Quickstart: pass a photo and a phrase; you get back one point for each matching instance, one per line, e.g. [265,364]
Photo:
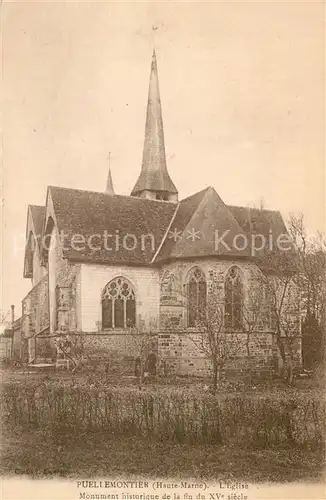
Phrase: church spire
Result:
[109,184]
[154,180]
[109,189]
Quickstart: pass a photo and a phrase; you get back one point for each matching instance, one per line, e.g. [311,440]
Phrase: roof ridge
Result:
[196,210]
[127,195]
[210,214]
[112,196]
[76,189]
[195,194]
[254,208]
[166,233]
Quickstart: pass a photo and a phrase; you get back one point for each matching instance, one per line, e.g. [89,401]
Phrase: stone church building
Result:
[106,267]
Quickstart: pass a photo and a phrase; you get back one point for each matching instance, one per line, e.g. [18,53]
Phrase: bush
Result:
[175,416]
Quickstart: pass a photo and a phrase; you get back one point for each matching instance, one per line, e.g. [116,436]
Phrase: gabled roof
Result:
[139,231]
[38,216]
[91,213]
[254,221]
[185,210]
[34,231]
[199,223]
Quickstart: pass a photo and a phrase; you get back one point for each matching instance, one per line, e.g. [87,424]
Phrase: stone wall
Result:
[35,309]
[177,343]
[39,271]
[35,317]
[183,355]
[17,341]
[46,351]
[78,310]
[118,352]
[173,313]
[75,299]
[64,290]
[5,348]
[93,279]
[111,352]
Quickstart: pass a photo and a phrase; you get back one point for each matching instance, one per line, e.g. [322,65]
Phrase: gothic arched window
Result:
[233,298]
[118,304]
[197,294]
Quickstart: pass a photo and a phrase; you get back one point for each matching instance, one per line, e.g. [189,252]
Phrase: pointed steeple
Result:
[109,189]
[154,180]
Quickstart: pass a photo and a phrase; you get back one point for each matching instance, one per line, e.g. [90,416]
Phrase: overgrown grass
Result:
[74,428]
[39,454]
[314,385]
[179,417]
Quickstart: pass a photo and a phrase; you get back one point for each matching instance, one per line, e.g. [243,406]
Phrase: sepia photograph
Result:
[163,250]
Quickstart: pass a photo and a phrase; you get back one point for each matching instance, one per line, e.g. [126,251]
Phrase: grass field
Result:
[40,453]
[193,384]
[96,456]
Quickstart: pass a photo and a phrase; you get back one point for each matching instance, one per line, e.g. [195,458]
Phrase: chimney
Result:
[12,315]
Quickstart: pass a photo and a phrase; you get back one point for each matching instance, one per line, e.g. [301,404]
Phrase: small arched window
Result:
[233,298]
[118,304]
[197,297]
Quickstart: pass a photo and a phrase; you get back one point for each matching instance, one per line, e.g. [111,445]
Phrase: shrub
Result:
[177,416]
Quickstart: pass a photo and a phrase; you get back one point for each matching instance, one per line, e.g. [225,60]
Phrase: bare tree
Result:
[143,339]
[211,337]
[253,312]
[73,349]
[312,265]
[279,278]
[311,281]
[253,317]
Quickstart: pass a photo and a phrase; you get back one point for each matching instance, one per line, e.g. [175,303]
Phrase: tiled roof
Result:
[38,215]
[183,215]
[91,213]
[201,219]
[210,221]
[154,180]
[170,225]
[35,220]
[254,221]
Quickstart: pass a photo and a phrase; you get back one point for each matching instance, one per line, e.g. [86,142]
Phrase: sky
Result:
[242,90]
